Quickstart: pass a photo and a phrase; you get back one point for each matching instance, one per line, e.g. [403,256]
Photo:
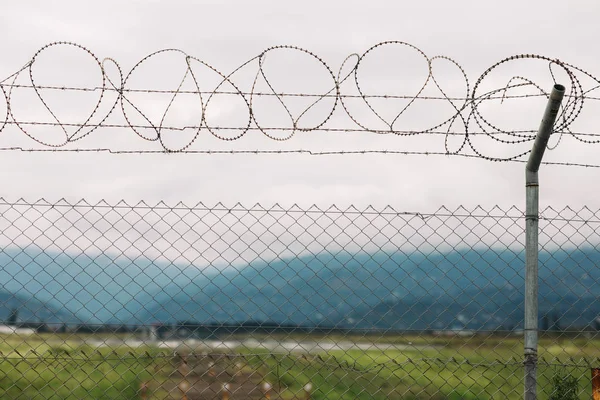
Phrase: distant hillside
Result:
[29,309]
[97,288]
[470,288]
[475,289]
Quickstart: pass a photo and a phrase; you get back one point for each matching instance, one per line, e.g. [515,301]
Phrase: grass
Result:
[356,377]
[34,368]
[64,367]
[493,371]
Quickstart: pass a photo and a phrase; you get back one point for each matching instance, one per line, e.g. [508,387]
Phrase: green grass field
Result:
[43,367]
[61,367]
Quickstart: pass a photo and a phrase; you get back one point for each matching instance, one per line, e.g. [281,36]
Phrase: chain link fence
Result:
[121,301]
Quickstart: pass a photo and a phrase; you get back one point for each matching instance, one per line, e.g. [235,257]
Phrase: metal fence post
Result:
[531,239]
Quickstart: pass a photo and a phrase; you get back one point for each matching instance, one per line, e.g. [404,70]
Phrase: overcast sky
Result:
[226,34]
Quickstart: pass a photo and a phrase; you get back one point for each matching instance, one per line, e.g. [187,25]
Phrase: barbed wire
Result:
[528,134]
[345,90]
[288,152]
[267,94]
[522,133]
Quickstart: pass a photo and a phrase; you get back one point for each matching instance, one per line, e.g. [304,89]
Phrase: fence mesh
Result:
[120,301]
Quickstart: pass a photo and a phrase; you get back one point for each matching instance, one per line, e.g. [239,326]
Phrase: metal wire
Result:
[345,91]
[283,152]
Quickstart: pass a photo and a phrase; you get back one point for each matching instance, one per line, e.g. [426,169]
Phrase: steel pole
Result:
[531,239]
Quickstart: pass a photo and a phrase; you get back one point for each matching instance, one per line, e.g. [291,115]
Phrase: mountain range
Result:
[471,288]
